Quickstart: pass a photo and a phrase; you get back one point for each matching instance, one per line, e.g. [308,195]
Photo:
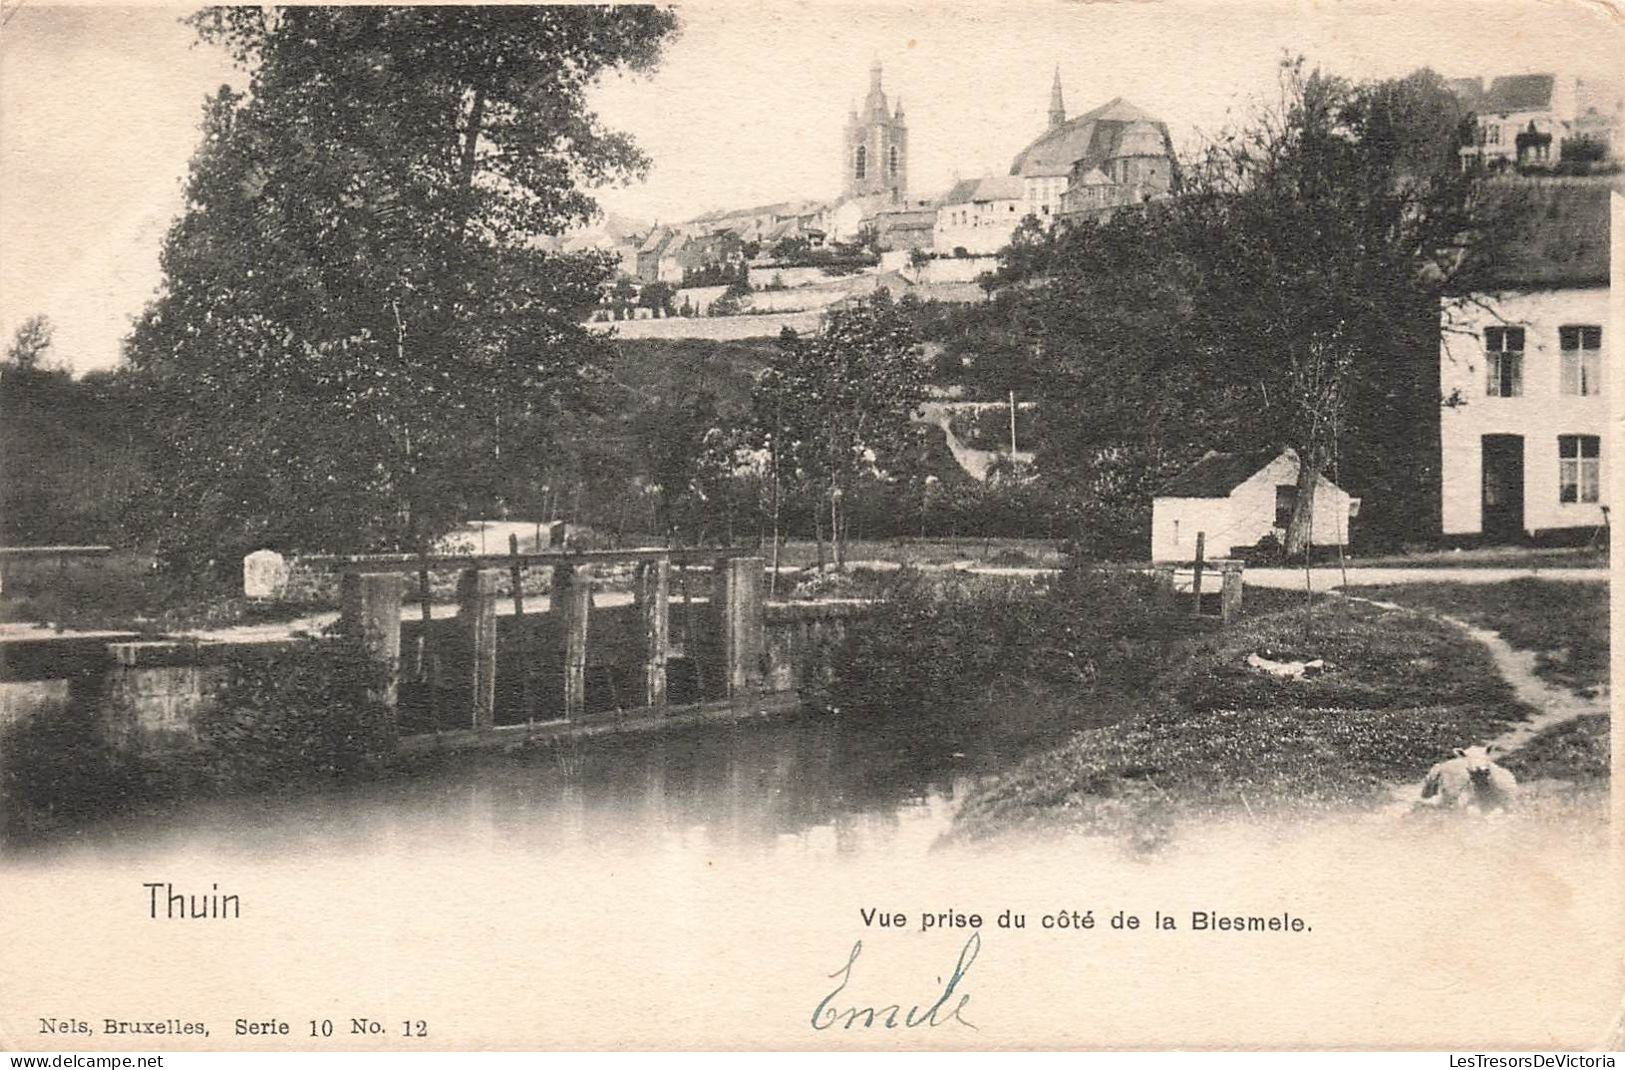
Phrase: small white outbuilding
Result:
[1237,499]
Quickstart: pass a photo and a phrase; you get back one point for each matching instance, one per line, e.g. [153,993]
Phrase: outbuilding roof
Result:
[1217,474]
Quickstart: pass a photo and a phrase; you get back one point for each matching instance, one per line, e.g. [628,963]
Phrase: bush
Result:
[846,583]
[302,714]
[940,641]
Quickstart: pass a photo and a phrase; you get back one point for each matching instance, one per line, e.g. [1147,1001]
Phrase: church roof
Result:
[1116,128]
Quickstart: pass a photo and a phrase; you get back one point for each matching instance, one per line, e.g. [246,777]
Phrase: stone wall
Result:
[800,638]
[152,695]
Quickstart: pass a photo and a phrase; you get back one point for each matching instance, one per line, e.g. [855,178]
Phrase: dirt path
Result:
[1552,705]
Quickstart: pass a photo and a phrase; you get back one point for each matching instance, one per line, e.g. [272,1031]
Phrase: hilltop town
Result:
[788,260]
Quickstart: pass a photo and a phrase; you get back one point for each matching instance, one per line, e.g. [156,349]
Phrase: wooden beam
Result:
[370,609]
[741,613]
[653,595]
[477,620]
[572,603]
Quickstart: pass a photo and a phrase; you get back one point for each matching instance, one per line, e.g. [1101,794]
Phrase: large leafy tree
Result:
[838,403]
[1290,296]
[358,331]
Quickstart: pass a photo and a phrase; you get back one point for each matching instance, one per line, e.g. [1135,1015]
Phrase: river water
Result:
[809,784]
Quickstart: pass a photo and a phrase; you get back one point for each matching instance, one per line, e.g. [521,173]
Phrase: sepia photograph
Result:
[810,526]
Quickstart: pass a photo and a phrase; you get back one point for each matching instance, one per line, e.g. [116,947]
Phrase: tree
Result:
[30,343]
[1289,297]
[1345,215]
[356,331]
[791,248]
[843,399]
[658,296]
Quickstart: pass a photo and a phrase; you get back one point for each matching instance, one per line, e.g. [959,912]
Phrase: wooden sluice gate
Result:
[577,660]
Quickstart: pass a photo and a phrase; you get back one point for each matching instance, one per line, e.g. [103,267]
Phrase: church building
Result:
[1114,155]
[876,147]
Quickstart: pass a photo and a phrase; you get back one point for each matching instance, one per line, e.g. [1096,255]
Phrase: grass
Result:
[1564,623]
[1210,734]
[1491,557]
[1575,750]
[122,592]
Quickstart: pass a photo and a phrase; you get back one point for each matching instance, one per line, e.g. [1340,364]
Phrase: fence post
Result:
[572,601]
[1196,576]
[370,608]
[477,620]
[1232,590]
[654,610]
[521,630]
[741,612]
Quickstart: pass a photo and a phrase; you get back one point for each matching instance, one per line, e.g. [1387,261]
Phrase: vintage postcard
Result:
[810,526]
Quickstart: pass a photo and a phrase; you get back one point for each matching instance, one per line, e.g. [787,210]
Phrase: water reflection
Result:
[808,786]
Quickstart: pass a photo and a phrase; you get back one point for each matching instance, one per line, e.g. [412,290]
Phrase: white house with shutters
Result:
[1527,432]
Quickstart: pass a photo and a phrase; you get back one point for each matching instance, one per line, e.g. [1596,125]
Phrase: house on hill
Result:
[979,214]
[1236,499]
[1518,119]
[1525,436]
[650,252]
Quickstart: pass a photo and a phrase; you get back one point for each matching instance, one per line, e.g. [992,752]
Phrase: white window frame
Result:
[1579,476]
[1581,363]
[1498,350]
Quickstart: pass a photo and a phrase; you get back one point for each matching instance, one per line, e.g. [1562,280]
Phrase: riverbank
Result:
[1216,736]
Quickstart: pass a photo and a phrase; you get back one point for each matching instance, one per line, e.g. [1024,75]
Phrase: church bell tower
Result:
[876,158]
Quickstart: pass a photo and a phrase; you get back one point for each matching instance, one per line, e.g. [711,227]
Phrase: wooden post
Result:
[572,601]
[1232,590]
[370,607]
[521,630]
[741,613]
[1196,577]
[428,655]
[477,620]
[654,611]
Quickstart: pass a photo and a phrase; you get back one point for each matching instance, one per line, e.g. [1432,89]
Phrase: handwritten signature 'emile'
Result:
[829,1013]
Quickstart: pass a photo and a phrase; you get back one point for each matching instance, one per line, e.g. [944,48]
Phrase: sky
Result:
[99,106]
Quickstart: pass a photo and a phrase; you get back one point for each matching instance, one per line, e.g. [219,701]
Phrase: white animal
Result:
[1471,779]
[1292,670]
